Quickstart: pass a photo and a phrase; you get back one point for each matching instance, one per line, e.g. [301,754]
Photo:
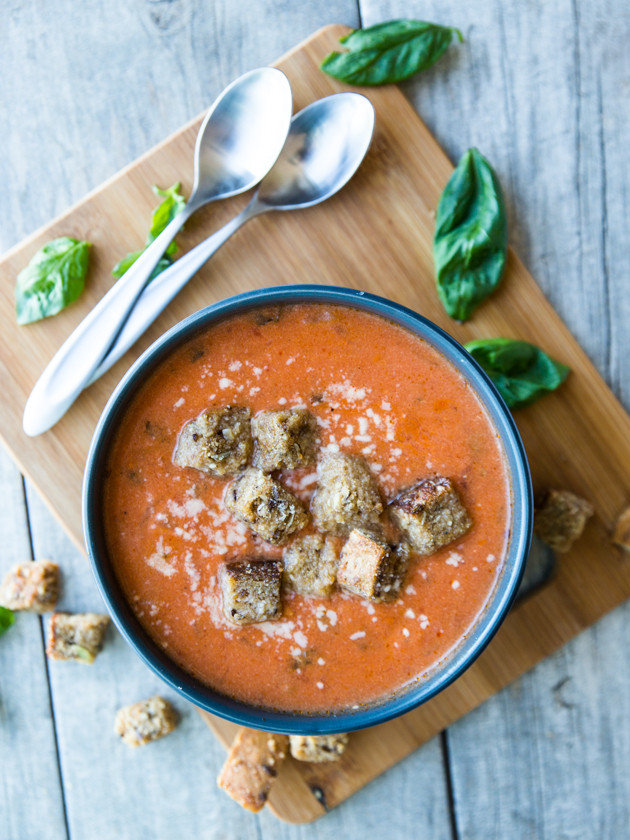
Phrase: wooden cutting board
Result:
[376,235]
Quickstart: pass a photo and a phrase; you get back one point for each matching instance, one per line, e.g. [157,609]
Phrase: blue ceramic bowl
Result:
[402,700]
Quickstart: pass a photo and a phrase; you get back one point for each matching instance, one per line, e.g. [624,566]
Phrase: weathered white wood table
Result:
[542,89]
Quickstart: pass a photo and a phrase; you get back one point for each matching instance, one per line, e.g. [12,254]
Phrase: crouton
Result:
[31,586]
[285,439]
[621,534]
[371,568]
[347,495]
[560,519]
[251,590]
[217,442]
[76,636]
[310,565]
[265,506]
[430,514]
[318,748]
[145,721]
[252,766]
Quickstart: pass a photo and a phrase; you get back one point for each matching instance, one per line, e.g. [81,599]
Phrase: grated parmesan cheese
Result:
[158,560]
[347,391]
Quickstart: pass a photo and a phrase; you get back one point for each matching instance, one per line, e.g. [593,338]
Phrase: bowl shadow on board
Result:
[539,569]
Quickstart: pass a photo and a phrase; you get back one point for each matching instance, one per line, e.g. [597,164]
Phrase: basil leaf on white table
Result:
[6,619]
[389,52]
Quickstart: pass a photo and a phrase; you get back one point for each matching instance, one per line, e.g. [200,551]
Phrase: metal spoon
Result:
[327,141]
[238,142]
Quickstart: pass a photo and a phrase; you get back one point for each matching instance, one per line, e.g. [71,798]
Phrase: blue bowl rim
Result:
[456,661]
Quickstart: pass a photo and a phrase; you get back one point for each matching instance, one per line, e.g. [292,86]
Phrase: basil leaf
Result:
[470,242]
[174,202]
[521,372]
[119,269]
[53,279]
[389,52]
[6,619]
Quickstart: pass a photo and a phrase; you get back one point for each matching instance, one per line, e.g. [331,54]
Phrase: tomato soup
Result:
[376,390]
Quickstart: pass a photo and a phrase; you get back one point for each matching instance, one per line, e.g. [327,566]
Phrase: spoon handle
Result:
[163,288]
[79,356]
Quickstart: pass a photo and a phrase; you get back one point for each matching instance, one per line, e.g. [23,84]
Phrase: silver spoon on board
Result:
[327,141]
[237,144]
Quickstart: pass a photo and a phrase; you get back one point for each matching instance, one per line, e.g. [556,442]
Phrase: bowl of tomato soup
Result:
[307,509]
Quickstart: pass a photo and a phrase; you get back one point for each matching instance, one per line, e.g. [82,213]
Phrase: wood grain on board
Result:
[376,235]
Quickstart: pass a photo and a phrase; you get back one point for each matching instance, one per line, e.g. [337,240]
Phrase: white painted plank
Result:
[608,73]
[28,759]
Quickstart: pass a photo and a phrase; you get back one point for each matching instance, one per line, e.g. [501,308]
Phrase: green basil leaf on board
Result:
[470,242]
[6,619]
[52,280]
[389,52]
[119,269]
[172,205]
[521,372]
[174,202]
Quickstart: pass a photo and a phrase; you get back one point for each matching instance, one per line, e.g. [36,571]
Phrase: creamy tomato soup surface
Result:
[377,391]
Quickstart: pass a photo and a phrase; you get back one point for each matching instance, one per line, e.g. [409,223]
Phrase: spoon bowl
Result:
[229,162]
[327,141]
